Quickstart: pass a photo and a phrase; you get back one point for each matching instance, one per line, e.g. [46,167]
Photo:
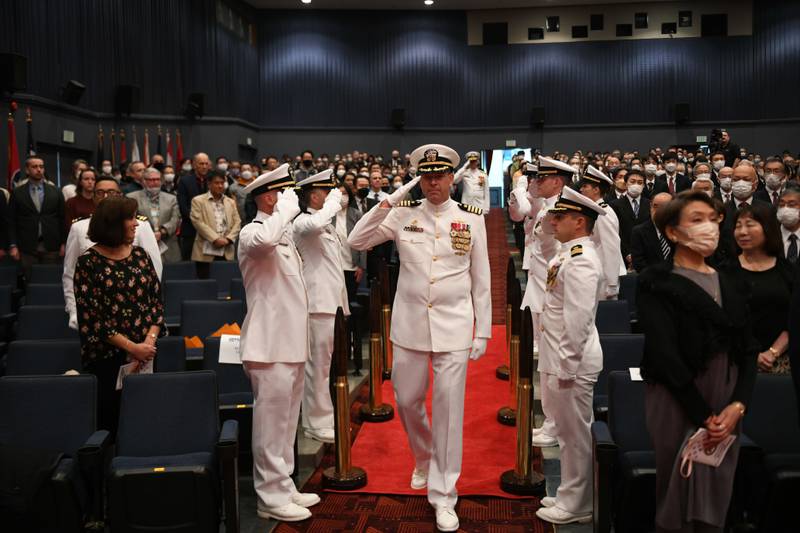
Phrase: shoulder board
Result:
[576,250]
[409,203]
[471,209]
[141,218]
[603,204]
[256,222]
[74,220]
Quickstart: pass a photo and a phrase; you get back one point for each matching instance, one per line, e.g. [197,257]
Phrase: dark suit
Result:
[187,189]
[4,222]
[682,183]
[651,189]
[627,220]
[766,196]
[378,253]
[25,220]
[794,342]
[645,246]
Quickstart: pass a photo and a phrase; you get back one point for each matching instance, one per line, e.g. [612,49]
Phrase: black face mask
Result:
[387,188]
[158,166]
[362,192]
[308,162]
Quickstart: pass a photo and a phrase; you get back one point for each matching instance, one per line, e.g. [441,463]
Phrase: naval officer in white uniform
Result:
[274,342]
[475,183]
[533,199]
[443,295]
[570,357]
[78,242]
[320,248]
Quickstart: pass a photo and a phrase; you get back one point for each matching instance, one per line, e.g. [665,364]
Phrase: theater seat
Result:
[624,461]
[170,355]
[233,384]
[627,292]
[44,322]
[203,317]
[223,272]
[620,352]
[55,414]
[175,470]
[613,316]
[7,317]
[179,270]
[44,294]
[178,290]
[237,291]
[50,274]
[27,358]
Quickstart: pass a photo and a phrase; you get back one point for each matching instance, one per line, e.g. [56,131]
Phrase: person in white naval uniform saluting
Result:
[533,200]
[570,357]
[321,250]
[274,342]
[595,185]
[476,183]
[78,242]
[443,295]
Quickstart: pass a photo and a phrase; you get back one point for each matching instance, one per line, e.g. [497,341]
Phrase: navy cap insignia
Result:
[431,155]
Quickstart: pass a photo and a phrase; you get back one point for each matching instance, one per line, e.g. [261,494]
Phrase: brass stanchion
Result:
[342,476]
[375,410]
[523,479]
[507,415]
[386,320]
[502,371]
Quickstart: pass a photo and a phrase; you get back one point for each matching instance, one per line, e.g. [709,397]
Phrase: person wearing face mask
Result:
[632,209]
[743,185]
[236,190]
[168,184]
[305,166]
[386,185]
[363,204]
[789,217]
[106,169]
[340,172]
[717,162]
[652,185]
[222,164]
[475,183]
[161,210]
[699,364]
[775,176]
[770,278]
[674,181]
[704,184]
[186,166]
[725,180]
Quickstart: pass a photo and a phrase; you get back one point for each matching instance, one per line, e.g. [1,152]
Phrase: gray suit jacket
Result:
[353,216]
[168,218]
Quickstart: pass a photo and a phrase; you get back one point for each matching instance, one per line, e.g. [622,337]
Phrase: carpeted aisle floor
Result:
[498,261]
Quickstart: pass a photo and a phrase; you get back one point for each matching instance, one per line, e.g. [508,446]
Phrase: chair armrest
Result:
[747,443]
[601,436]
[7,322]
[92,459]
[228,453]
[604,453]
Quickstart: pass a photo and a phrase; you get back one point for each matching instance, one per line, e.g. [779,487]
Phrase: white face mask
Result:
[670,167]
[226,185]
[636,167]
[660,172]
[107,169]
[187,167]
[725,184]
[703,176]
[742,189]
[650,169]
[247,174]
[222,166]
[788,216]
[703,238]
[169,178]
[773,181]
[718,164]
[397,184]
[345,201]
[340,173]
[634,190]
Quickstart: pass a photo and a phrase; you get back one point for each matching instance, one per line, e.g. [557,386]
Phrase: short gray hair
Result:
[152,170]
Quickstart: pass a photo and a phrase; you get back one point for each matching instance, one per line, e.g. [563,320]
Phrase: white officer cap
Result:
[531,169]
[595,175]
[473,156]
[434,158]
[548,166]
[571,201]
[269,181]
[322,179]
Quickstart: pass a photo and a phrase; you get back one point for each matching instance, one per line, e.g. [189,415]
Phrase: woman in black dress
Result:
[118,298]
[699,364]
[770,277]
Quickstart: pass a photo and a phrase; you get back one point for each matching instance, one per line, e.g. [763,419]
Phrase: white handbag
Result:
[694,451]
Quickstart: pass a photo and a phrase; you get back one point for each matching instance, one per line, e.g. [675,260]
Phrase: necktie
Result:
[664,246]
[650,186]
[636,208]
[363,206]
[775,199]
[671,185]
[791,253]
[37,202]
[741,205]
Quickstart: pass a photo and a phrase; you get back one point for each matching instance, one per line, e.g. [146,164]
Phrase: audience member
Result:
[190,185]
[71,189]
[775,178]
[632,209]
[699,364]
[118,298]
[133,178]
[161,211]
[648,245]
[82,204]
[236,189]
[789,217]
[217,223]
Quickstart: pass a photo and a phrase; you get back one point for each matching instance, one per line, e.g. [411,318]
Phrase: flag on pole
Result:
[170,159]
[178,147]
[101,150]
[31,149]
[58,169]
[146,159]
[134,146]
[123,151]
[113,147]
[13,150]
[158,144]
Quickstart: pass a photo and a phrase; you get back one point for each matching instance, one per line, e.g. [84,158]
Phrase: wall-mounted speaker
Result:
[13,72]
[196,105]
[72,92]
[681,113]
[126,100]
[398,118]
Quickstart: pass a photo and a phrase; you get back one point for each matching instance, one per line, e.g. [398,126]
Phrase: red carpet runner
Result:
[382,449]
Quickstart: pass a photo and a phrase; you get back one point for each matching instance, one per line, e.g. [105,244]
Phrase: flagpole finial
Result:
[28,116]
[12,106]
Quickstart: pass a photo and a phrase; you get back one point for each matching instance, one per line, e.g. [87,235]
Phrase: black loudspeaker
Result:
[72,92]
[13,72]
[681,113]
[399,118]
[537,117]
[126,101]
[195,105]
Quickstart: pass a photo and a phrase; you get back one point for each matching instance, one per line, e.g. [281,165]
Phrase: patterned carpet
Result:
[498,261]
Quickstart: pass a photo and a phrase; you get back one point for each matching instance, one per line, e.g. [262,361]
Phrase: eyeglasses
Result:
[102,193]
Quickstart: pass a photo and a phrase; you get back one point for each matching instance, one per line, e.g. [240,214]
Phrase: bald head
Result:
[744,172]
[658,201]
[201,164]
[726,172]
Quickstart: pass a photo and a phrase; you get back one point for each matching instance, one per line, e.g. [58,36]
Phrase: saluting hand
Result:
[397,196]
[334,198]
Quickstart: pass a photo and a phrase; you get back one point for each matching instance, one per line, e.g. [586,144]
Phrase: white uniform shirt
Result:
[77,244]
[319,246]
[476,187]
[570,345]
[443,290]
[275,329]
[606,241]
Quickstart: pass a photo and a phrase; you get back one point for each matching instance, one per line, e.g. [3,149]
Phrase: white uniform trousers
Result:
[277,392]
[548,426]
[436,446]
[572,412]
[317,403]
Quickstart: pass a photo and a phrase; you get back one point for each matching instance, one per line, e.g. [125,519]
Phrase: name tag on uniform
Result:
[413,227]
[229,350]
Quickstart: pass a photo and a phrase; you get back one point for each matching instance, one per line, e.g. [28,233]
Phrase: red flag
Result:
[170,159]
[146,159]
[13,149]
[113,148]
[123,152]
[179,146]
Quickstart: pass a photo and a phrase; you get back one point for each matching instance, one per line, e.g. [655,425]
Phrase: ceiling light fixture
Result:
[428,2]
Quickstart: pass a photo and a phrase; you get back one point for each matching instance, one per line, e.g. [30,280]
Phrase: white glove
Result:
[478,348]
[288,203]
[334,199]
[533,188]
[397,196]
